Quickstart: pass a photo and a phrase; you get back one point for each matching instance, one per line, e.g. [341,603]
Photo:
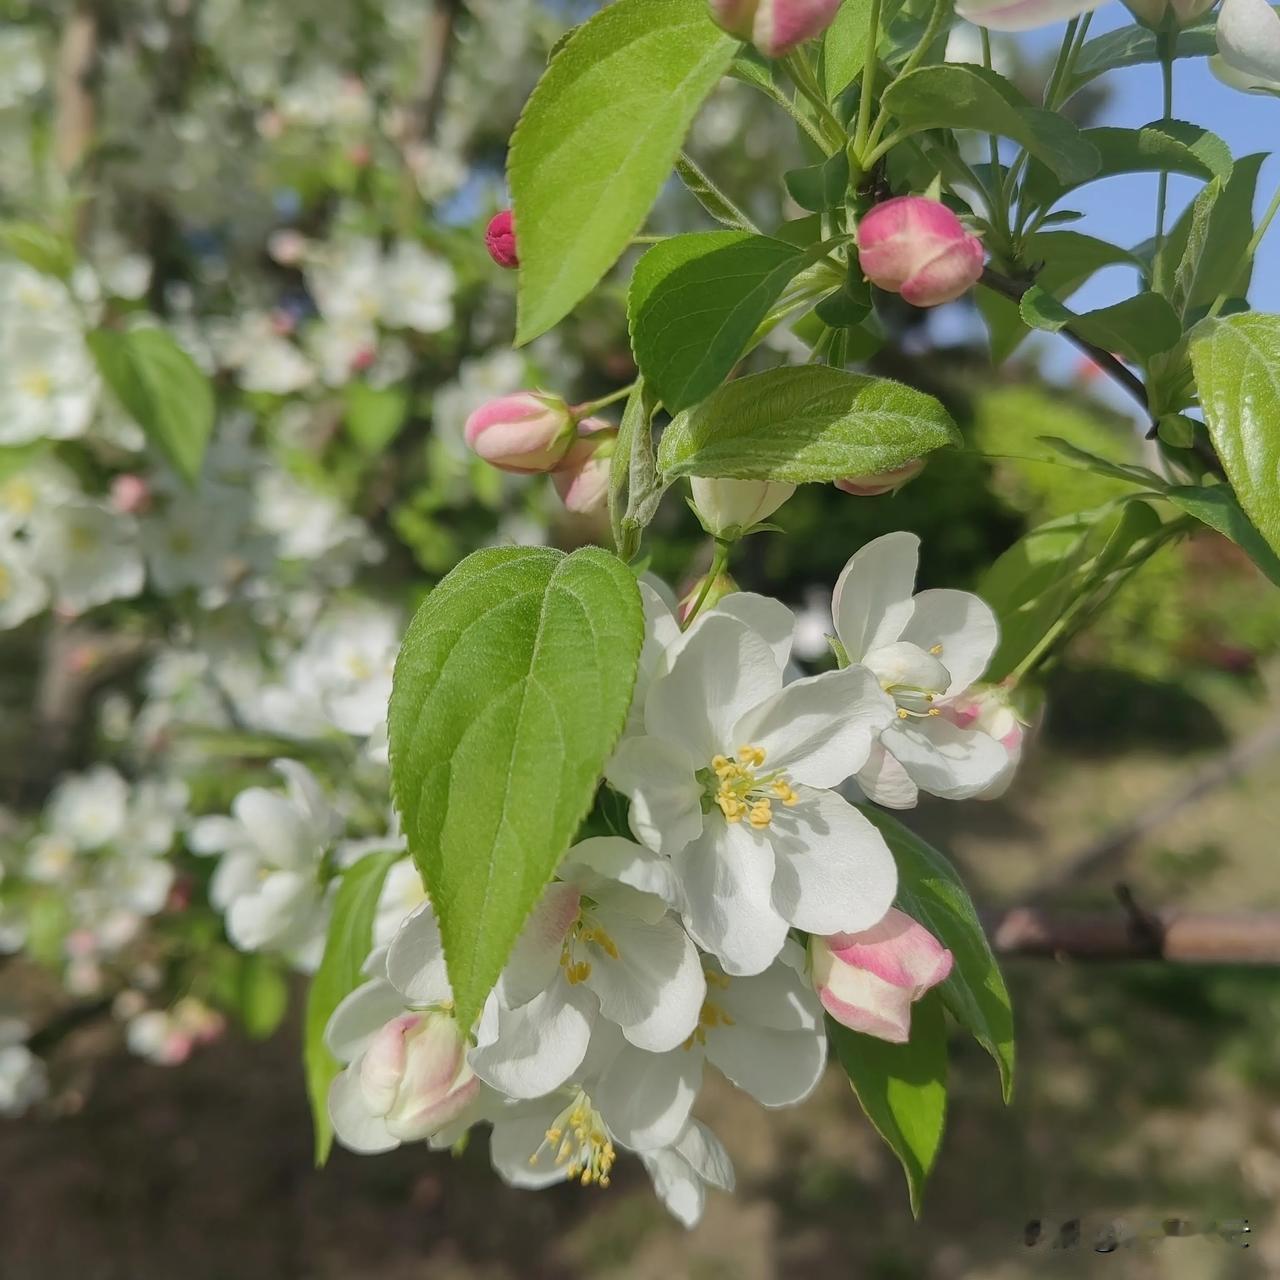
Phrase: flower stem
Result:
[718,562]
[1167,43]
[863,130]
[806,82]
[593,406]
[941,11]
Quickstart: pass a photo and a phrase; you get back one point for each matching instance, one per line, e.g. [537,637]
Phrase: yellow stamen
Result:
[936,650]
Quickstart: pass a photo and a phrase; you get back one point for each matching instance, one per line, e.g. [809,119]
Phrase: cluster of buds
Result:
[536,433]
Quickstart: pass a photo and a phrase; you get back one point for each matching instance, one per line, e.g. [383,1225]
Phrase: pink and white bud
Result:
[500,240]
[986,707]
[917,247]
[130,494]
[728,508]
[528,432]
[415,1075]
[885,482]
[775,27]
[582,479]
[868,981]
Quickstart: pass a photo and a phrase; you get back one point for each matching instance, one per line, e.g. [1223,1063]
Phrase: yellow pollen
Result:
[586,932]
[709,1017]
[578,1141]
[37,384]
[936,651]
[740,793]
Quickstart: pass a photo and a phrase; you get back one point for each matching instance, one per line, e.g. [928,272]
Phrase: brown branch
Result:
[74,107]
[1177,937]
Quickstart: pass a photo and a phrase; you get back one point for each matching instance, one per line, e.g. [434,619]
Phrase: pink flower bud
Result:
[775,27]
[415,1074]
[528,432]
[582,479]
[500,240]
[885,482]
[130,494]
[986,707]
[920,249]
[868,981]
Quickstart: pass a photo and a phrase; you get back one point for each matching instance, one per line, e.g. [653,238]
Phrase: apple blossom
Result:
[500,240]
[869,980]
[925,651]
[1022,15]
[917,247]
[1248,56]
[581,477]
[775,27]
[528,432]
[730,508]
[987,707]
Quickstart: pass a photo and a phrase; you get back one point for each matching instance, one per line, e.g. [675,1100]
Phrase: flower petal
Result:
[872,601]
[415,960]
[613,858]
[654,989]
[1248,44]
[883,780]
[706,1155]
[943,759]
[835,873]
[723,671]
[863,1002]
[727,878]
[534,962]
[645,1097]
[777,1068]
[353,1126]
[540,1045]
[666,800]
[360,1016]
[515,1146]
[676,1185]
[819,730]
[779,999]
[1022,15]
[767,617]
[963,625]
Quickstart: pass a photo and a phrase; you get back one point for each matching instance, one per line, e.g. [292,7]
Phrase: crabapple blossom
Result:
[917,247]
[582,476]
[730,508]
[775,27]
[527,433]
[925,651]
[1248,57]
[987,707]
[1022,15]
[731,778]
[869,980]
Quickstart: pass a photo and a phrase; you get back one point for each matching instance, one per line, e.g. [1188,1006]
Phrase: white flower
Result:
[89,809]
[601,943]
[682,1172]
[1248,54]
[23,592]
[402,894]
[263,359]
[191,541]
[417,291]
[23,1080]
[731,779]
[345,279]
[307,524]
[90,554]
[925,650]
[268,879]
[730,507]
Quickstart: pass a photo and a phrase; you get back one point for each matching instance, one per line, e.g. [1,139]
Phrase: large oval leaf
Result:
[1137,328]
[1237,368]
[598,138]
[962,96]
[510,691]
[811,423]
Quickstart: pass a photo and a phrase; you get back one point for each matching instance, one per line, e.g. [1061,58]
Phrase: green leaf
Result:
[930,891]
[1137,328]
[820,187]
[1237,368]
[695,302]
[597,140]
[44,250]
[1216,506]
[162,389]
[374,415]
[635,489]
[510,691]
[844,47]
[710,197]
[902,1087]
[262,995]
[347,946]
[1128,472]
[805,424]
[961,96]
[1171,146]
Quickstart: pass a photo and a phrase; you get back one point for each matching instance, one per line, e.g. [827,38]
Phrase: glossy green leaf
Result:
[805,424]
[902,1087]
[1171,146]
[598,138]
[635,488]
[162,389]
[844,47]
[1137,328]
[961,96]
[930,891]
[695,302]
[1237,366]
[347,946]
[1216,506]
[510,692]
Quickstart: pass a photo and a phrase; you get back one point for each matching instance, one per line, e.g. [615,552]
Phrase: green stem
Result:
[586,410]
[863,130]
[1000,203]
[1167,43]
[649,239]
[806,82]
[775,94]
[1250,249]
[941,11]
[718,562]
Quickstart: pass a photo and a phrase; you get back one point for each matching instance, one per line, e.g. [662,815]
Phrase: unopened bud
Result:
[884,482]
[415,1074]
[722,586]
[500,240]
[730,508]
[582,479]
[917,247]
[130,494]
[528,432]
[988,709]
[775,27]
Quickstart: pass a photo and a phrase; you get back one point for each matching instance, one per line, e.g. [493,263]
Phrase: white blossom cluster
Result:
[658,952]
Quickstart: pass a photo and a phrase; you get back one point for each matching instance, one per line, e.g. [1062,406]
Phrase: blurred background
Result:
[223,167]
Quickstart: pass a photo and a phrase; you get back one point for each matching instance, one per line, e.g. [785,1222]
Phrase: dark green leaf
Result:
[902,1087]
[961,96]
[1128,472]
[930,891]
[349,941]
[1137,328]
[821,186]
[162,389]
[1216,506]
[844,47]
[598,138]
[635,488]
[805,424]
[509,694]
